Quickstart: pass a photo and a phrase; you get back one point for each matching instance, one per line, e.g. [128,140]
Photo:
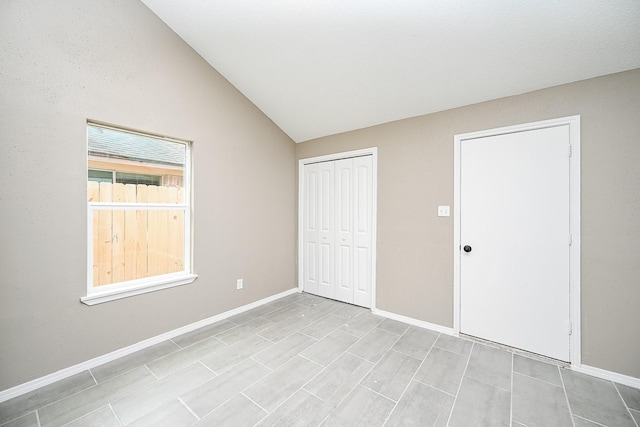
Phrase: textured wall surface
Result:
[415,175]
[116,62]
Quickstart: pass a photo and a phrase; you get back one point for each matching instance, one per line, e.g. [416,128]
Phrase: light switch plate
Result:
[443,210]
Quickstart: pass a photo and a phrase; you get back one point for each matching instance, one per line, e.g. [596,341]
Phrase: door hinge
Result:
[569,150]
[570,328]
[570,239]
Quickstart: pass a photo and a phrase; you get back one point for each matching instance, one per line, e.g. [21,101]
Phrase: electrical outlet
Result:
[239,283]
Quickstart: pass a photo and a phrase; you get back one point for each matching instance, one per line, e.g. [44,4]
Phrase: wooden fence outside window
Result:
[135,242]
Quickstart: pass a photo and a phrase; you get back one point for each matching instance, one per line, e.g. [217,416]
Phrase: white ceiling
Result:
[321,67]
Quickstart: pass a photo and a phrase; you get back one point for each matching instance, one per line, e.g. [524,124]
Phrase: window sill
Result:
[137,288]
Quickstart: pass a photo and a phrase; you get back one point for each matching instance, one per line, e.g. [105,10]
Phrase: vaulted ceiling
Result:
[321,67]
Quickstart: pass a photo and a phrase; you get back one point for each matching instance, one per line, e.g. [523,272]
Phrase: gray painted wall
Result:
[415,174]
[114,61]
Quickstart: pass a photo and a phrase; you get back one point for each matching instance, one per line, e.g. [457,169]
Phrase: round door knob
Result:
[467,248]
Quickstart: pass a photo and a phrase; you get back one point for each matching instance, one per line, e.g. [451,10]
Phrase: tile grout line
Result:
[455,399]
[590,421]
[624,403]
[115,414]
[38,418]
[511,392]
[537,379]
[566,396]
[188,409]
[414,374]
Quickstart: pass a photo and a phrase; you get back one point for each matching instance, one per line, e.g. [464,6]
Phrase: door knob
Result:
[467,248]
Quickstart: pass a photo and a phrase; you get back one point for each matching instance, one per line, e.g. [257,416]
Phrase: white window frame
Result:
[115,291]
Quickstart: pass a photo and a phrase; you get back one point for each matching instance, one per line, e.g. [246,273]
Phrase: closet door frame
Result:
[373,152]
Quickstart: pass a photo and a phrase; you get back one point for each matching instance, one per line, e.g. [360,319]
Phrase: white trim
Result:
[137,287]
[372,151]
[414,322]
[574,222]
[100,360]
[608,375]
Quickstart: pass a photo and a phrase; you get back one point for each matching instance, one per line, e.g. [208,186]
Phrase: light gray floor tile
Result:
[227,357]
[319,378]
[421,405]
[361,324]
[311,300]
[393,326]
[349,311]
[454,344]
[479,404]
[184,357]
[283,329]
[281,352]
[242,332]
[302,409]
[391,374]
[362,407]
[324,326]
[126,363]
[490,366]
[103,417]
[630,395]
[205,332]
[29,420]
[287,313]
[416,342]
[28,402]
[330,347]
[136,405]
[172,414]
[249,315]
[278,386]
[539,404]
[443,370]
[79,404]
[595,399]
[215,392]
[237,412]
[373,345]
[581,422]
[335,382]
[537,369]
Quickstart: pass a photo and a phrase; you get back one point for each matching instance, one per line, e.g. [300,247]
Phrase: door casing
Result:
[574,221]
[373,151]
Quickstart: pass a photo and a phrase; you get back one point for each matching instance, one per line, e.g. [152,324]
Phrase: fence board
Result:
[93,195]
[105,238]
[141,234]
[130,234]
[117,245]
[152,232]
[136,243]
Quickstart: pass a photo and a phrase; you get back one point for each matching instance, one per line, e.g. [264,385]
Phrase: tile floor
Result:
[305,360]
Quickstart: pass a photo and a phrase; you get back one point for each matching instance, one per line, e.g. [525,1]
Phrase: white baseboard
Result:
[609,375]
[100,360]
[412,321]
[584,369]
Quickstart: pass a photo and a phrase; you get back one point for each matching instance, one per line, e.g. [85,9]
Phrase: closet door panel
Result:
[326,209]
[344,229]
[310,230]
[362,232]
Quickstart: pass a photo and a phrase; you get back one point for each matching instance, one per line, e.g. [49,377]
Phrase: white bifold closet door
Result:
[337,221]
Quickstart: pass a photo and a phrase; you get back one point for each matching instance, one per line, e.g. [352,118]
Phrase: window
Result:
[138,213]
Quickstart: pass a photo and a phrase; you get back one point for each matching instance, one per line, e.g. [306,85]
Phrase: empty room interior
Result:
[320,213]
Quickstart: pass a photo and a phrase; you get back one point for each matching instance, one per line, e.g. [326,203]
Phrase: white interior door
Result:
[514,223]
[338,229]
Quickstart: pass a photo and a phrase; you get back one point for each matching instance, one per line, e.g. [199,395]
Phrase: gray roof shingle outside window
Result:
[106,142]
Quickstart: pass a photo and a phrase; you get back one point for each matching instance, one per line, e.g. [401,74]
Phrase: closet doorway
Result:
[337,223]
